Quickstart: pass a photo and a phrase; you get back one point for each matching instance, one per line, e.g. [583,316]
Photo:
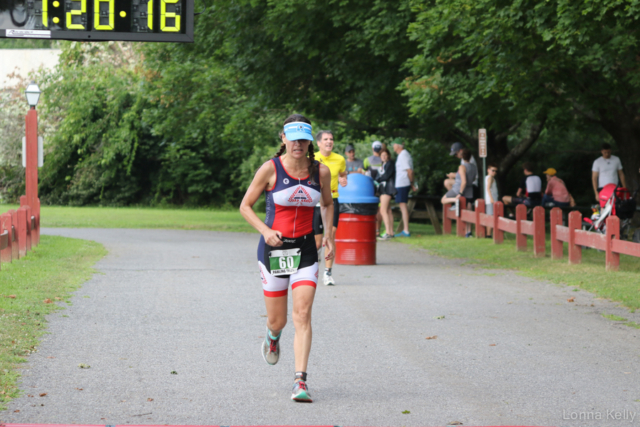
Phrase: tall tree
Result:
[562,61]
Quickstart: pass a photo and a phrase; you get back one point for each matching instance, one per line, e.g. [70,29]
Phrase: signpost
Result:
[482,152]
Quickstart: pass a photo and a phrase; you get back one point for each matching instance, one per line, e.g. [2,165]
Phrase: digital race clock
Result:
[98,20]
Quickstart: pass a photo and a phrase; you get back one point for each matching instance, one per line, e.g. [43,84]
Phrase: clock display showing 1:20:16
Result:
[104,20]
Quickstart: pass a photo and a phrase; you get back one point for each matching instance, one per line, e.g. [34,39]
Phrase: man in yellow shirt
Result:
[338,167]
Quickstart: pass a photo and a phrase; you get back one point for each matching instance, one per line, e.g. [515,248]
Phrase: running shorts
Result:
[307,273]
[318,228]
[530,203]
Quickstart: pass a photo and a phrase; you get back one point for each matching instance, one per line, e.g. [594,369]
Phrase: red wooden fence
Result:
[577,238]
[518,226]
[19,232]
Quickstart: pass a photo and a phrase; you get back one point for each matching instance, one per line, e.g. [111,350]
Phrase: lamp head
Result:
[33,94]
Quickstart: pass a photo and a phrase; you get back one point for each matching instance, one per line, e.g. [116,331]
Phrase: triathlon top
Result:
[290,202]
[336,164]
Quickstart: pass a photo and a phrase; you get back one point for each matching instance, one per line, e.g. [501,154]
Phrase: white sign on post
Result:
[482,142]
[40,151]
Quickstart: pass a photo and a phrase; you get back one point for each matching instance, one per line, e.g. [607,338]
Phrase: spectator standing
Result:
[530,190]
[353,165]
[372,166]
[606,169]
[556,193]
[404,183]
[456,150]
[387,189]
[337,166]
[490,192]
[373,163]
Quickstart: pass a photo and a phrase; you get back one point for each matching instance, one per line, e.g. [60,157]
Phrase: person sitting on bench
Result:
[556,193]
[530,190]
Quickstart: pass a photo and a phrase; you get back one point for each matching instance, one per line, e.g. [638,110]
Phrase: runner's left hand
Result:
[342,180]
[328,248]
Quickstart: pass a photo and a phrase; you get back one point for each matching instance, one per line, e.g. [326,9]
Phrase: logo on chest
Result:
[300,195]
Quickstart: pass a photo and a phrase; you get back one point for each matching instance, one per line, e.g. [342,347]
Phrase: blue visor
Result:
[298,130]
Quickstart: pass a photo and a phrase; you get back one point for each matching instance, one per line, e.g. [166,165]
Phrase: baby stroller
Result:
[614,200]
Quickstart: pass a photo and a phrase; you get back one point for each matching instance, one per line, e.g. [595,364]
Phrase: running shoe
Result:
[271,349]
[386,236]
[403,234]
[328,279]
[301,392]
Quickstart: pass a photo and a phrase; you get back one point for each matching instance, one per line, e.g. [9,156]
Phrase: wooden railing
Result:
[19,232]
[576,238]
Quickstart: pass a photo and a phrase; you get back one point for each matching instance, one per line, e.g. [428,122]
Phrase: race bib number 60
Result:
[284,262]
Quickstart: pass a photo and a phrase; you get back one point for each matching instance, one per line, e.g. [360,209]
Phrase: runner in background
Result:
[338,166]
[293,182]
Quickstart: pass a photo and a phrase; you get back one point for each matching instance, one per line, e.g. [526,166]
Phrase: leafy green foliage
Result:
[171,129]
[101,151]
[190,123]
[567,62]
[204,123]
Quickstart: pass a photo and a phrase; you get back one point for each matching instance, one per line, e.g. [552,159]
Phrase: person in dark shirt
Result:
[387,187]
[530,190]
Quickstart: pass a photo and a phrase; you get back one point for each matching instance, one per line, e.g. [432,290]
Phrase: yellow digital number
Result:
[164,15]
[45,14]
[150,14]
[72,13]
[96,15]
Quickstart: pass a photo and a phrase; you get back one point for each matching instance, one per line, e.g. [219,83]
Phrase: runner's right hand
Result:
[273,237]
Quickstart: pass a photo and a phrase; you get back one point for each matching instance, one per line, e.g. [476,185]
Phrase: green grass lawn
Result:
[622,286]
[90,217]
[31,288]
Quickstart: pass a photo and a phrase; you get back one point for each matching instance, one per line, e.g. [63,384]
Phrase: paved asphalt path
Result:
[509,350]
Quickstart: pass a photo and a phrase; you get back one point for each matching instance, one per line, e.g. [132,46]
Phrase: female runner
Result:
[293,184]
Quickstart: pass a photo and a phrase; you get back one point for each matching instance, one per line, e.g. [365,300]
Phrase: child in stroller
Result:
[614,200]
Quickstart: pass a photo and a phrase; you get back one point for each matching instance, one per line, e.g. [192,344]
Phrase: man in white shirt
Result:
[606,170]
[404,183]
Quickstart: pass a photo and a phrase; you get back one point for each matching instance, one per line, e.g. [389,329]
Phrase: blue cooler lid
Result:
[359,189]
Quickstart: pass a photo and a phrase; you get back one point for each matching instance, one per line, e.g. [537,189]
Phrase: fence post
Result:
[29,246]
[539,233]
[38,222]
[35,231]
[14,234]
[460,226]
[498,212]
[556,245]
[521,239]
[575,251]
[22,231]
[446,221]
[5,225]
[481,230]
[613,232]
